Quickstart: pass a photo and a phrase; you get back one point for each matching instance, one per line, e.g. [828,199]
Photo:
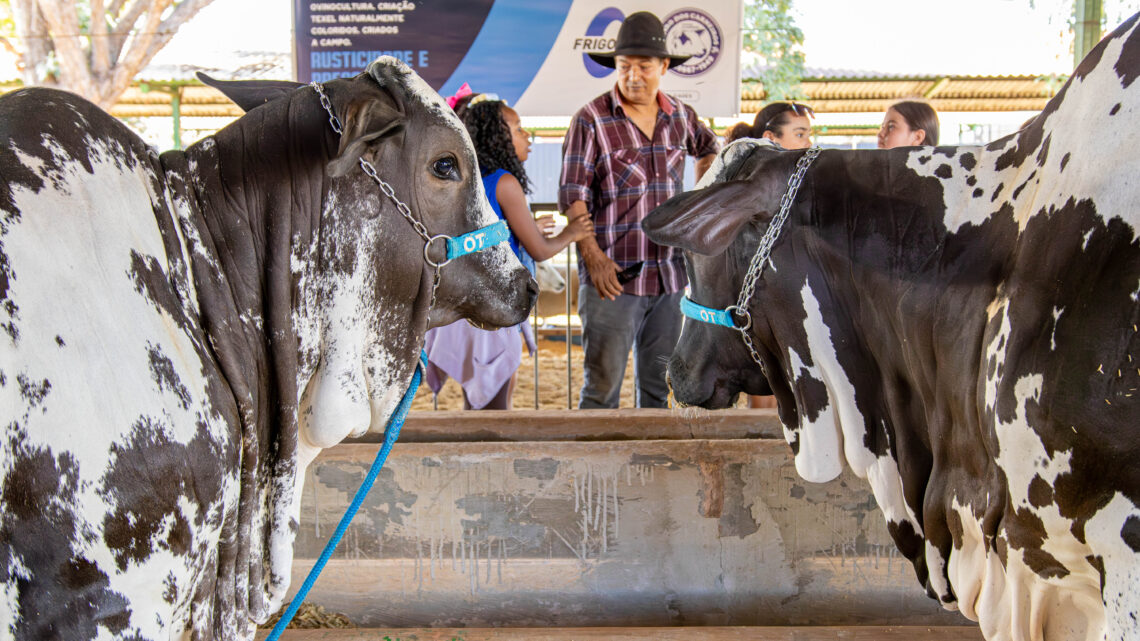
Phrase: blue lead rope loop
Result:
[391,433]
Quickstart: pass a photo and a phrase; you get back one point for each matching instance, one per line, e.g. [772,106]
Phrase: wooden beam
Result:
[800,633]
[584,425]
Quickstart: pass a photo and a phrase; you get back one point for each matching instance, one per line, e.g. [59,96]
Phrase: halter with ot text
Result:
[725,317]
[469,243]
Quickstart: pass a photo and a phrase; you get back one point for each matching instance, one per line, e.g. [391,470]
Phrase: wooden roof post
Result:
[176,114]
[1086,28]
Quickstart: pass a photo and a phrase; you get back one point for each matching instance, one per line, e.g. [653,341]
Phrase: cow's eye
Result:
[446,168]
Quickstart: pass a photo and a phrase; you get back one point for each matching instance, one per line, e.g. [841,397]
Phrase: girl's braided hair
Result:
[492,138]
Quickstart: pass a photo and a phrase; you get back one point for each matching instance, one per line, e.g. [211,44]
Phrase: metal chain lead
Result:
[334,122]
[764,250]
[387,190]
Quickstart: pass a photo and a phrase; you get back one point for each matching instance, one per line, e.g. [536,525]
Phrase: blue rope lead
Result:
[391,433]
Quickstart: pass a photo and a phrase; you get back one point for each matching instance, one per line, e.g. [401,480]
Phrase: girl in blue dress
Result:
[485,362]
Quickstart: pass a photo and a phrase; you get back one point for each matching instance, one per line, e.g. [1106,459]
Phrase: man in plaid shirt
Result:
[624,154]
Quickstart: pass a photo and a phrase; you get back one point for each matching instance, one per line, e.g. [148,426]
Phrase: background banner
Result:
[531,53]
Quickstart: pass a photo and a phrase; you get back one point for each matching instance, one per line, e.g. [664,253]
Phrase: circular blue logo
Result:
[691,32]
[595,40]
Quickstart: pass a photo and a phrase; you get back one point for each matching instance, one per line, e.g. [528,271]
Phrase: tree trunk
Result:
[98,61]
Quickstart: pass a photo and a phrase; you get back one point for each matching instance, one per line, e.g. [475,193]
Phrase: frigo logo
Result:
[690,32]
[595,39]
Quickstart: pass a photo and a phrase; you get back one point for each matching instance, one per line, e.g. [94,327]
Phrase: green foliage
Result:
[770,32]
[1061,12]
[7,21]
[1064,14]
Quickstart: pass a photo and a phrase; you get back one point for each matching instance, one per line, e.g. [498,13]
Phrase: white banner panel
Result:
[529,52]
[710,81]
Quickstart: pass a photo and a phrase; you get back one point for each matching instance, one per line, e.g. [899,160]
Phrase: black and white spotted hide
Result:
[959,325]
[181,334]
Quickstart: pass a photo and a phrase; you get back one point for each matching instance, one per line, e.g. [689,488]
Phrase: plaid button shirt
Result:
[608,163]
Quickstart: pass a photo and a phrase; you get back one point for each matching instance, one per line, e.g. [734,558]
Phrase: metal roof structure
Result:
[157,99]
[841,92]
[861,91]
[862,94]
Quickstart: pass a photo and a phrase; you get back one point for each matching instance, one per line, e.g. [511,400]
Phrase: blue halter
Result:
[469,243]
[724,317]
[696,311]
[483,238]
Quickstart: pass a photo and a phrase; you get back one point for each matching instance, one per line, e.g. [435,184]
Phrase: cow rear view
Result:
[107,380]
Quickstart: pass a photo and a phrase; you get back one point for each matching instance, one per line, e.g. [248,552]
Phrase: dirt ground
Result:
[551,381]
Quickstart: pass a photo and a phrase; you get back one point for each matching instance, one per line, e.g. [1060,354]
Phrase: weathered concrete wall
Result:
[682,532]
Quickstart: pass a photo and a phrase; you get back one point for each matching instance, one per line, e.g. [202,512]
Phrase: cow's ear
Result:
[707,219]
[704,221]
[364,121]
[248,94]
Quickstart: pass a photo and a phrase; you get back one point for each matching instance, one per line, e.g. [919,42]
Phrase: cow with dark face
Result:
[183,333]
[960,325]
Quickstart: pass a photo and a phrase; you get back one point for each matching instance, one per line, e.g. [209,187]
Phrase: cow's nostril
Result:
[532,290]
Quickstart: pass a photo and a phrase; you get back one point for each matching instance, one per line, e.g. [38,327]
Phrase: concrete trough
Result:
[618,533]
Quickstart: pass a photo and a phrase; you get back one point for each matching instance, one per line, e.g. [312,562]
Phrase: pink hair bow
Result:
[464,90]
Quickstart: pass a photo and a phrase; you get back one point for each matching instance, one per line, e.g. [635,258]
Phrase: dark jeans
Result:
[648,324]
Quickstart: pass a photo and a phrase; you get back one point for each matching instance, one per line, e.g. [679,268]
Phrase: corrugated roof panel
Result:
[872,92]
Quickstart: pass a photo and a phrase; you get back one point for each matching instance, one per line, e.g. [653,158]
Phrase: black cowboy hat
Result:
[641,34]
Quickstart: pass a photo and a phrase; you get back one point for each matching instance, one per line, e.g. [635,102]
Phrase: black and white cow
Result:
[961,326]
[182,334]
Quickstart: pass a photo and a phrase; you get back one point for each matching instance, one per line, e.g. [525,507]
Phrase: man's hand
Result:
[602,270]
